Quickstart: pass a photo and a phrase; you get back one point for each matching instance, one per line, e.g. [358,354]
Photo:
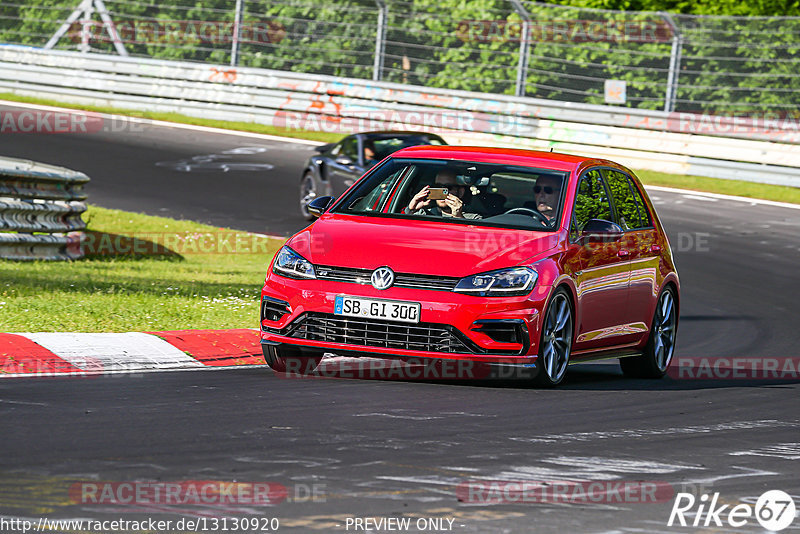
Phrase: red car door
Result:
[602,281]
[641,241]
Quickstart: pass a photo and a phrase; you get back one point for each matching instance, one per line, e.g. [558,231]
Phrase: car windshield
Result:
[387,144]
[487,194]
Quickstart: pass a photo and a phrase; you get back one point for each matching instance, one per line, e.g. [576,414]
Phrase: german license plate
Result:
[391,310]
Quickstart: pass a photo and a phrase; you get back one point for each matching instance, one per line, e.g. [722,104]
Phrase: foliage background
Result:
[742,65]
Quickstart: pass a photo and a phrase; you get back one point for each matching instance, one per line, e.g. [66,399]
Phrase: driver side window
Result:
[350,148]
[591,202]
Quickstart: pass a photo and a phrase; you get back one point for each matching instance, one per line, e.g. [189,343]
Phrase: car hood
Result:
[413,246]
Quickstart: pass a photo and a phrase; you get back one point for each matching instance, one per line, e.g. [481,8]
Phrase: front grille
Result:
[362,276]
[428,337]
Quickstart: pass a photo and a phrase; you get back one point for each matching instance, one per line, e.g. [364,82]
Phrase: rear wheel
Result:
[308,192]
[285,359]
[555,345]
[660,346]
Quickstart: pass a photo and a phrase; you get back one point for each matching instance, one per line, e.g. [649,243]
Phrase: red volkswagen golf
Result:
[507,257]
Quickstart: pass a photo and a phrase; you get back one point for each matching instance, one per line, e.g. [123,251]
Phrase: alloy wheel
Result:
[664,331]
[556,340]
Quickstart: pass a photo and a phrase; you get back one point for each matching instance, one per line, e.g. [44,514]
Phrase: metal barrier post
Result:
[524,46]
[86,9]
[674,64]
[110,27]
[237,33]
[380,40]
[64,28]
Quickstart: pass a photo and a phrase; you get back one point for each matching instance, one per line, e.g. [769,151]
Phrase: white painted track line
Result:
[167,124]
[102,352]
[718,196]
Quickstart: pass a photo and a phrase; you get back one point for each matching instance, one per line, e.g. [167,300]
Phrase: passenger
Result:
[452,206]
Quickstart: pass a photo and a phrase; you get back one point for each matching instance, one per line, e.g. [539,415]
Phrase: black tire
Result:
[284,359]
[308,191]
[555,344]
[660,348]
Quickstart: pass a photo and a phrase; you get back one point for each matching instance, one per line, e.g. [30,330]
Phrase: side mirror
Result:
[344,160]
[319,205]
[600,231]
[323,148]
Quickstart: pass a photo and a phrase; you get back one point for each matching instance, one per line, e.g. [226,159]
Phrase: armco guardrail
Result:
[766,151]
[39,205]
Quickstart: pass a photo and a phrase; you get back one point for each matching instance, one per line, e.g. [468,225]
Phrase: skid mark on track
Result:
[652,432]
[744,472]
[398,416]
[785,451]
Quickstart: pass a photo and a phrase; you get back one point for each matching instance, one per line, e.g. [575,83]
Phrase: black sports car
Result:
[339,165]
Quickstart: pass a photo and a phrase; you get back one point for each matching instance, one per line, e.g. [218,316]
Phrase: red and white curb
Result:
[62,354]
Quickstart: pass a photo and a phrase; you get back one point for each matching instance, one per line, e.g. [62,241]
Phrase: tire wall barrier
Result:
[750,149]
[40,211]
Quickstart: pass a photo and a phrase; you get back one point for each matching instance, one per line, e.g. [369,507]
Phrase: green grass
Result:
[179,288]
[711,185]
[778,193]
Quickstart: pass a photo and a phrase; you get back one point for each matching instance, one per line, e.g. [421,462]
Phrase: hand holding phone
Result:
[438,193]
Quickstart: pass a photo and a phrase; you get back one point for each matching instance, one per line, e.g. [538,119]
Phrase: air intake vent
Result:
[273,309]
[510,331]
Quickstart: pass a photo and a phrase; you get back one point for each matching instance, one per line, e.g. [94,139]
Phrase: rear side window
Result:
[644,215]
[628,203]
[591,201]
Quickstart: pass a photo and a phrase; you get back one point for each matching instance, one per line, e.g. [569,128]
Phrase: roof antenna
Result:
[551,149]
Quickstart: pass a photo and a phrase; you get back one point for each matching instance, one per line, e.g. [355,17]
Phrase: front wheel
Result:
[555,345]
[290,360]
[660,346]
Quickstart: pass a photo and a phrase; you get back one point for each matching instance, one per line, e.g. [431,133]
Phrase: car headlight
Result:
[290,264]
[502,283]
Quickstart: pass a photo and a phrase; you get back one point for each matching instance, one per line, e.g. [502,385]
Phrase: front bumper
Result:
[452,326]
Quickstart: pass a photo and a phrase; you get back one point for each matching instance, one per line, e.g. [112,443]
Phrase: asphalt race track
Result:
[347,449]
[135,169]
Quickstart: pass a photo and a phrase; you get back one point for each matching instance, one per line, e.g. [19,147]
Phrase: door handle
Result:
[655,248]
[623,253]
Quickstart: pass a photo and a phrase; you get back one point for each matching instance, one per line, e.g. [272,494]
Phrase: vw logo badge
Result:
[382,278]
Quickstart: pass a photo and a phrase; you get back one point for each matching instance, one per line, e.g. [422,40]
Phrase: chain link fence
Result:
[742,66]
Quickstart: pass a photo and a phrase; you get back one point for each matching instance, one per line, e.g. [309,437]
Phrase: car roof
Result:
[514,156]
[401,133]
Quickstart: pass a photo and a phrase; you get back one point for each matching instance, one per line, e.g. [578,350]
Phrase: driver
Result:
[452,206]
[546,193]
[370,158]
